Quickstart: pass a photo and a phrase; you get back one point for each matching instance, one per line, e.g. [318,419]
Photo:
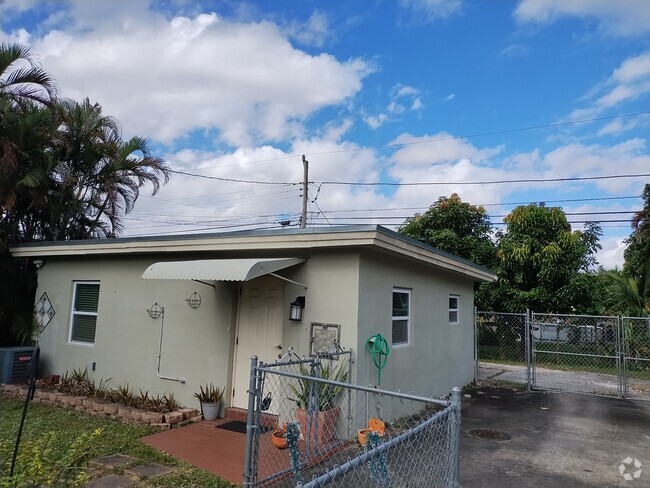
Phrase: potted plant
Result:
[210,398]
[317,411]
[279,438]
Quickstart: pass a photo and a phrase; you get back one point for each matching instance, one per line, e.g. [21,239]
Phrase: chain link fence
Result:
[636,359]
[308,426]
[603,355]
[501,340]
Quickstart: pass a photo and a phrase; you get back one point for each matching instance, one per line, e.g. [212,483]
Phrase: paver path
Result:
[135,475]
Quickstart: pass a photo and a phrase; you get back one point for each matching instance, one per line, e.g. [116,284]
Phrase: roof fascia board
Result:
[382,238]
[394,244]
[236,243]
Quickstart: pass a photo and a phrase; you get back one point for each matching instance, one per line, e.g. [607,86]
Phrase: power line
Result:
[491,204]
[231,180]
[493,182]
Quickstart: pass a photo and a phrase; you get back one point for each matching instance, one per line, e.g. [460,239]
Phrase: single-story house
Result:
[167,314]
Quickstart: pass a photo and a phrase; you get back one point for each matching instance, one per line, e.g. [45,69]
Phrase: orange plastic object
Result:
[376,425]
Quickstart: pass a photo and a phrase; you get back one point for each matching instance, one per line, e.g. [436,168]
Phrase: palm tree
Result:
[26,80]
[628,294]
[98,176]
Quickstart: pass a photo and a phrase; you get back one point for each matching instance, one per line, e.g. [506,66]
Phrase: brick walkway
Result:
[218,451]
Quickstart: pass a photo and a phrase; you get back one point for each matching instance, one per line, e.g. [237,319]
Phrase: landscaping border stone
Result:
[92,406]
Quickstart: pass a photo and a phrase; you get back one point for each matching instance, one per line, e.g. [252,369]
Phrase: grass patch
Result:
[117,437]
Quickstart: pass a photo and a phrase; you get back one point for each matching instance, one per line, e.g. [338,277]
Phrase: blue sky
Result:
[390,91]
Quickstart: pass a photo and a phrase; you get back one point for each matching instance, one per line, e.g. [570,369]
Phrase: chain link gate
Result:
[332,432]
[602,355]
[576,353]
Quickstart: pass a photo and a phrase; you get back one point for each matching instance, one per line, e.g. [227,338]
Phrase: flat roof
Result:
[292,239]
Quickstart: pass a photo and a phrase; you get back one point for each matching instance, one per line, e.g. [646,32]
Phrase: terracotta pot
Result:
[279,439]
[323,425]
[362,435]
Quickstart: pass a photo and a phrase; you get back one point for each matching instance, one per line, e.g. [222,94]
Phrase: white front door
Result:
[259,330]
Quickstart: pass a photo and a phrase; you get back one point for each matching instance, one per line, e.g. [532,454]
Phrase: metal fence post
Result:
[456,395]
[528,348]
[250,424]
[476,345]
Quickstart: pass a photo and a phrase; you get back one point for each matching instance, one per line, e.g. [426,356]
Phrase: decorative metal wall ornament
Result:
[194,301]
[43,312]
[155,311]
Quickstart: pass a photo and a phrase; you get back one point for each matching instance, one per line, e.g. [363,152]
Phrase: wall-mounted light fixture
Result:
[194,301]
[295,309]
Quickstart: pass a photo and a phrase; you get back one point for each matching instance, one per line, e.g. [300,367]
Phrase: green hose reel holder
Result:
[377,346]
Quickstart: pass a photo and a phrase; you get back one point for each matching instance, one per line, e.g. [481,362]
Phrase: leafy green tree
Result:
[637,253]
[456,227]
[543,264]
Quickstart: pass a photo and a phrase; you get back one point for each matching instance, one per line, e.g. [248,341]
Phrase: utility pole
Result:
[305,182]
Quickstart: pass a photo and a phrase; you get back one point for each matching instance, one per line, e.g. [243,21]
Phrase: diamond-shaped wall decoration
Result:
[43,312]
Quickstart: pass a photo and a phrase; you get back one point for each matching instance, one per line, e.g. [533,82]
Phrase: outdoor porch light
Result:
[295,309]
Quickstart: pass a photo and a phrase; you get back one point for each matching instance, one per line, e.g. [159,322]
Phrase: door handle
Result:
[279,346]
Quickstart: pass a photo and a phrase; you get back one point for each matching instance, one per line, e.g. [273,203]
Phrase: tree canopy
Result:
[637,253]
[543,264]
[455,227]
[65,173]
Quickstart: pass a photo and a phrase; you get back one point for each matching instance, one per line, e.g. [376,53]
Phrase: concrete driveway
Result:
[557,440]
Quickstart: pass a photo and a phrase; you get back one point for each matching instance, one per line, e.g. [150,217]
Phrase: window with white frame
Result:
[401,316]
[83,320]
[454,309]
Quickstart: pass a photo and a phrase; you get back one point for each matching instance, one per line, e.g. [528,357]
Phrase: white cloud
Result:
[514,50]
[197,73]
[315,32]
[434,149]
[396,106]
[376,121]
[627,82]
[611,254]
[429,10]
[617,126]
[620,18]
[449,97]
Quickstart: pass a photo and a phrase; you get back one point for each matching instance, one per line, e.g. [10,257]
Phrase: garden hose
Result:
[377,345]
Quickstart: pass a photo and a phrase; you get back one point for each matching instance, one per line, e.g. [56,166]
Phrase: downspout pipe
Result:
[162,327]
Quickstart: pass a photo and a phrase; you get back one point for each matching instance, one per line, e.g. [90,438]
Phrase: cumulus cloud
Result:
[619,18]
[434,149]
[201,72]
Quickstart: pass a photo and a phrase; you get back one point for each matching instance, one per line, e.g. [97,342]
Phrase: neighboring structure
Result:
[207,303]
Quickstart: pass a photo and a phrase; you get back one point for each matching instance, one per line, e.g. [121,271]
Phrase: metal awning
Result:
[218,269]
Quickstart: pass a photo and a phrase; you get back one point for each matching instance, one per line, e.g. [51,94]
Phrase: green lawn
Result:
[116,437]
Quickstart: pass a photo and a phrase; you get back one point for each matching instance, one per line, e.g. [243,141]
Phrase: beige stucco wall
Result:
[331,297]
[348,287]
[439,355]
[196,343]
